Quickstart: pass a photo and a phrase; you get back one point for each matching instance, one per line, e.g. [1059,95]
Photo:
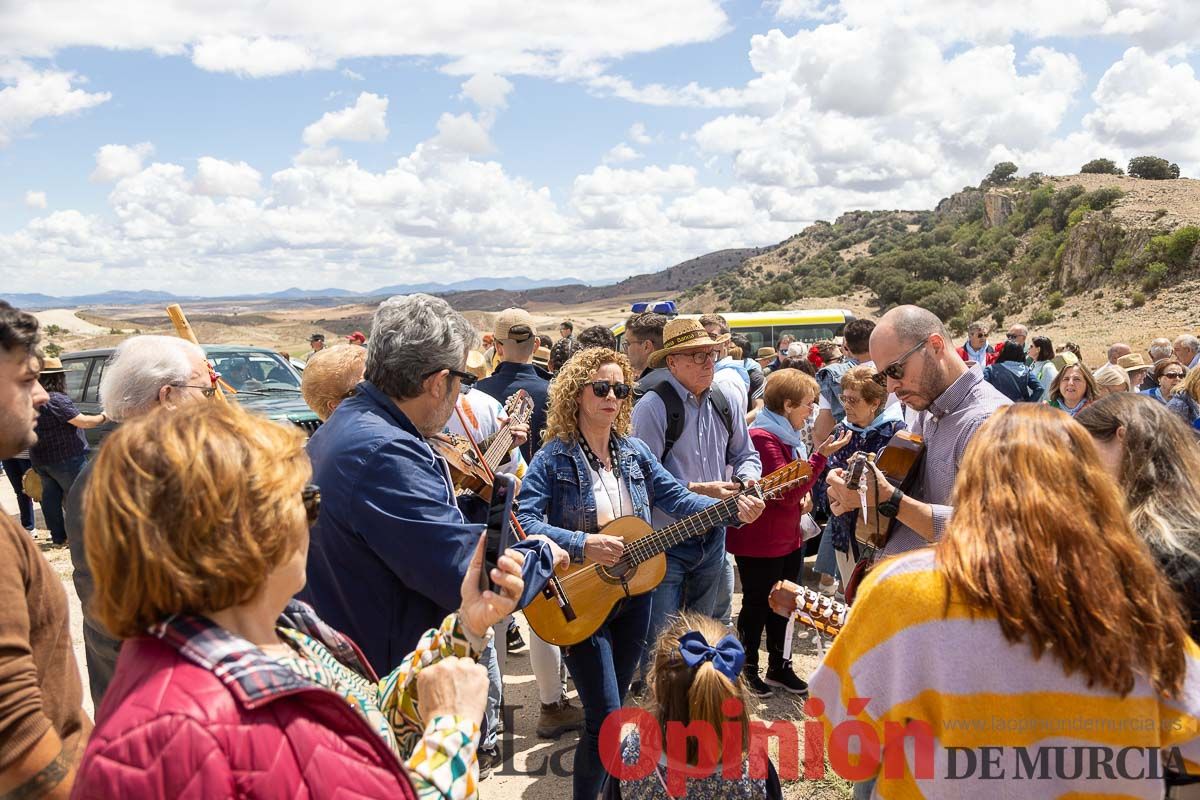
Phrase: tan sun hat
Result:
[541,356]
[766,352]
[515,324]
[1132,362]
[683,334]
[477,364]
[51,366]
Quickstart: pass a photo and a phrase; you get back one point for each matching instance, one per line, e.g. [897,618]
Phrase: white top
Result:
[612,496]
[486,416]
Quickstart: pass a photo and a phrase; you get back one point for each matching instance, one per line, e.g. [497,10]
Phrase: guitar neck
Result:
[665,538]
[497,447]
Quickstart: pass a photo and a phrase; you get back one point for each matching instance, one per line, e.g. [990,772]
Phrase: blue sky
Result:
[598,140]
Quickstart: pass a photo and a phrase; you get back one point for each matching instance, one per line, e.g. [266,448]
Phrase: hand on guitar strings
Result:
[562,558]
[603,549]
[520,433]
[749,508]
[481,610]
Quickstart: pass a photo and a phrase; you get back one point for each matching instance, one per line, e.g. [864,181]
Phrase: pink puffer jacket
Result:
[186,718]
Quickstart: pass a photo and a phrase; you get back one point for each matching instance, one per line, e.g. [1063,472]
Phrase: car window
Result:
[76,370]
[250,371]
[91,392]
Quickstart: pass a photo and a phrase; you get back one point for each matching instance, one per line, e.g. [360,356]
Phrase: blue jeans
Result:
[826,560]
[723,609]
[695,581]
[602,666]
[491,715]
[57,480]
[15,469]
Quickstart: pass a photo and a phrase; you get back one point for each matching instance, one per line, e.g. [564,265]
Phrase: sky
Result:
[224,147]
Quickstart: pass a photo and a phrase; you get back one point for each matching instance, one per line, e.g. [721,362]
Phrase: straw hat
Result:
[477,364]
[766,352]
[51,366]
[683,334]
[1132,362]
[541,356]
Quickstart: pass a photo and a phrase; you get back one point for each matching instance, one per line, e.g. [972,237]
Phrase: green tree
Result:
[1101,166]
[946,302]
[992,294]
[1002,173]
[1153,168]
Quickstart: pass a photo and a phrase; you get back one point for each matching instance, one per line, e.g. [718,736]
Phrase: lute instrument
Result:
[900,463]
[594,589]
[472,467]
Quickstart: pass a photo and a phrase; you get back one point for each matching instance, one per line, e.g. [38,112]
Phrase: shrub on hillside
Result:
[1002,173]
[946,302]
[1102,198]
[1155,272]
[1153,168]
[1101,166]
[992,294]
[1137,299]
[1043,316]
[1055,300]
[1175,248]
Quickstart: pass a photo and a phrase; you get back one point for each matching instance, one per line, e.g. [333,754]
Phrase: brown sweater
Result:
[39,679]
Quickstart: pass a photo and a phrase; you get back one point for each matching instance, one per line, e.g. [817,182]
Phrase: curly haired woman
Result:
[588,472]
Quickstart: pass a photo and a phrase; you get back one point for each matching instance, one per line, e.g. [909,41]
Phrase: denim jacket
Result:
[556,497]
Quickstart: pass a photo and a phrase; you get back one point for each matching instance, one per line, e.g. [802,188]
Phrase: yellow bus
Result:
[766,328]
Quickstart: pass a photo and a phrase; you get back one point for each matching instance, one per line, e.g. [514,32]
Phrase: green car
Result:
[265,382]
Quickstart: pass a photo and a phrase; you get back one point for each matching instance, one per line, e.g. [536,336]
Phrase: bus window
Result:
[759,337]
[809,334]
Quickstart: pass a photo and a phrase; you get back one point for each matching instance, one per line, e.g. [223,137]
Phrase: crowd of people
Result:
[266,615]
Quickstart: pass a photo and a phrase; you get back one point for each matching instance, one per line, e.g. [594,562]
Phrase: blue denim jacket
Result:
[556,497]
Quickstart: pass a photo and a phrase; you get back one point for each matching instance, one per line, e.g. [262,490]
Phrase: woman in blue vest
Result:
[588,472]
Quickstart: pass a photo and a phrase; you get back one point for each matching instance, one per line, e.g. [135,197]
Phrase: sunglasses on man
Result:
[602,388]
[466,379]
[895,370]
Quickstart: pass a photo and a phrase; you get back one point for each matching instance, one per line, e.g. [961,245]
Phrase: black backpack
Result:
[674,405]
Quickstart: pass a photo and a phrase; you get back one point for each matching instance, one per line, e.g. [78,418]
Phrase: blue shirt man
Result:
[516,342]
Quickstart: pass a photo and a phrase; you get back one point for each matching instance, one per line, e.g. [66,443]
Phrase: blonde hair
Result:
[562,414]
[1190,385]
[189,512]
[789,384]
[330,377]
[1055,560]
[680,693]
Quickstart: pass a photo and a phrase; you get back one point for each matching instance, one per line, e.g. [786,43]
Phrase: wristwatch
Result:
[891,506]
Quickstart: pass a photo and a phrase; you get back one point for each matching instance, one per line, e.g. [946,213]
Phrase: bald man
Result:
[945,400]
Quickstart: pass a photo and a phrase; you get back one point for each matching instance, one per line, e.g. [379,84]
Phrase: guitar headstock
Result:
[821,612]
[519,407]
[783,479]
[855,467]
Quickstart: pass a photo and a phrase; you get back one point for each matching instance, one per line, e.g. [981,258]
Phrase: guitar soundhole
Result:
[621,572]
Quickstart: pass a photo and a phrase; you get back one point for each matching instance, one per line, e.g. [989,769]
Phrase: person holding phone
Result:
[588,472]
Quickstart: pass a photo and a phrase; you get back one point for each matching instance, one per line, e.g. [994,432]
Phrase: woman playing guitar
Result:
[588,473]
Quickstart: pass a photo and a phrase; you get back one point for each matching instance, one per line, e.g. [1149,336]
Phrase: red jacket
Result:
[184,719]
[992,355]
[777,532]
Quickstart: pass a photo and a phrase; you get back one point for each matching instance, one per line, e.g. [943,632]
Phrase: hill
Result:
[1016,251]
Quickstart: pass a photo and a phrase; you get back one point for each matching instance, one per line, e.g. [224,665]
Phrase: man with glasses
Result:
[516,342]
[390,548]
[144,373]
[945,400]
[976,347]
[707,444]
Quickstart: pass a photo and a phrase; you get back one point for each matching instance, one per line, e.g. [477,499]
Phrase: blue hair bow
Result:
[728,656]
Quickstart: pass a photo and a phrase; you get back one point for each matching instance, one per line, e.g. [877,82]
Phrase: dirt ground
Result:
[534,769]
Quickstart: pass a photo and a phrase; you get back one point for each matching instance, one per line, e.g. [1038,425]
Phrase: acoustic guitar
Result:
[900,463]
[593,590]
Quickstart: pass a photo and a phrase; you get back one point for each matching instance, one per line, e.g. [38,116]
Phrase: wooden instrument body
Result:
[468,474]
[899,462]
[595,596]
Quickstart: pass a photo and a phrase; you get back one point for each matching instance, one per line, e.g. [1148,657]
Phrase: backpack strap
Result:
[673,404]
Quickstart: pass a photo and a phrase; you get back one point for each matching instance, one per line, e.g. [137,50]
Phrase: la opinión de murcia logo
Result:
[856,753]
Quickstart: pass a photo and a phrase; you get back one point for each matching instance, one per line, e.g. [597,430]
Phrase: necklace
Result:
[594,463]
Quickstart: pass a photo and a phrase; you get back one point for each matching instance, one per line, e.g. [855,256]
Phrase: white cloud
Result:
[637,133]
[221,178]
[351,74]
[35,199]
[462,133]
[116,161]
[1147,102]
[714,208]
[487,90]
[365,121]
[621,153]
[28,95]
[258,57]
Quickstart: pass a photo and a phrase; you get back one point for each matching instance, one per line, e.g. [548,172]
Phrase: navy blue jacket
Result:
[387,556]
[557,498]
[510,377]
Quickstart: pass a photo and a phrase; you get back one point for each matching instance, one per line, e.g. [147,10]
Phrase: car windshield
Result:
[254,371]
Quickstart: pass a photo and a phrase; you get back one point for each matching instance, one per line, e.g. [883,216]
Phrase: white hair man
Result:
[1187,350]
[144,373]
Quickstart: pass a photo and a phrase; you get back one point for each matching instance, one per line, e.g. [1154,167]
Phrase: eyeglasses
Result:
[207,391]
[699,357]
[311,495]
[466,379]
[850,400]
[1012,337]
[895,370]
[1173,375]
[602,388]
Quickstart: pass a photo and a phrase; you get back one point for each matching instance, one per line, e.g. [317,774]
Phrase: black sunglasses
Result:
[467,380]
[311,495]
[895,370]
[1175,375]
[602,388]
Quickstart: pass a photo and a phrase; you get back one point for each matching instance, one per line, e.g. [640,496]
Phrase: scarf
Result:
[778,426]
[891,413]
